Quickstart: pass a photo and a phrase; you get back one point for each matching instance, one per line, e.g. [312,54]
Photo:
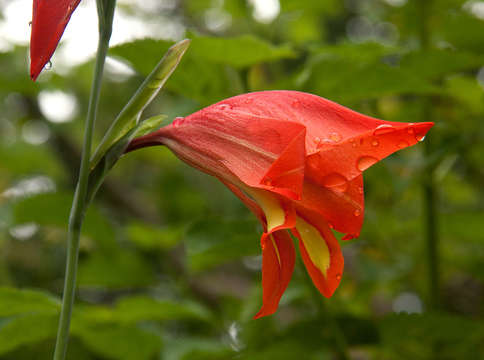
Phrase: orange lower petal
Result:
[320,252]
[278,257]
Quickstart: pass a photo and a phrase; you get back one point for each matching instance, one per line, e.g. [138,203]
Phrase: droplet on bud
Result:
[48,66]
[357,212]
[375,142]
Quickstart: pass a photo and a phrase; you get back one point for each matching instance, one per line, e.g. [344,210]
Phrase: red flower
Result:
[50,17]
[296,160]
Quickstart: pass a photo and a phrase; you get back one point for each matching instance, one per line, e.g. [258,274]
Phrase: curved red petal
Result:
[50,17]
[286,174]
[341,205]
[326,281]
[350,158]
[218,139]
[325,121]
[278,258]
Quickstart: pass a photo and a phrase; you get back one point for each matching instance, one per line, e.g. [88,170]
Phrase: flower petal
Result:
[278,258]
[350,158]
[50,17]
[286,175]
[325,121]
[341,204]
[245,145]
[320,252]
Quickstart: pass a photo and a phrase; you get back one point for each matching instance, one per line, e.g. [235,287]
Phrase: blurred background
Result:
[169,263]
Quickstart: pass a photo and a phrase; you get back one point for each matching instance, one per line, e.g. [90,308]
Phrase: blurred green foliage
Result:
[170,265]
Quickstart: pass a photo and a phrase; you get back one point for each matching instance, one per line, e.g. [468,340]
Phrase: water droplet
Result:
[375,142]
[178,121]
[402,144]
[338,277]
[335,182]
[30,23]
[335,137]
[383,129]
[365,162]
[48,66]
[353,143]
[267,181]
[357,212]
[420,137]
[331,226]
[360,190]
[317,141]
[224,107]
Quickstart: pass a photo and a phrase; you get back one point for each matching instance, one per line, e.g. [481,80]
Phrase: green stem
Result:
[430,198]
[78,209]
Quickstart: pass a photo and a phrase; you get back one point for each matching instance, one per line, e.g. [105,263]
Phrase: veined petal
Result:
[350,158]
[278,258]
[340,202]
[320,252]
[50,17]
[260,152]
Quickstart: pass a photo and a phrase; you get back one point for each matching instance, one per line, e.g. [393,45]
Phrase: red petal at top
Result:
[354,155]
[326,122]
[261,152]
[50,17]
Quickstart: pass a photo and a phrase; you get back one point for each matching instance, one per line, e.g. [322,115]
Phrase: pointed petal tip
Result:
[263,312]
[421,129]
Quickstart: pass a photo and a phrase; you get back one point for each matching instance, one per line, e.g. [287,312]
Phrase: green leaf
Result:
[26,329]
[15,302]
[119,342]
[436,63]
[151,238]
[349,81]
[40,209]
[116,269]
[216,241]
[207,72]
[129,117]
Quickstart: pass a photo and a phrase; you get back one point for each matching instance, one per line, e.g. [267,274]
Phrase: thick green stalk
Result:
[79,206]
[430,197]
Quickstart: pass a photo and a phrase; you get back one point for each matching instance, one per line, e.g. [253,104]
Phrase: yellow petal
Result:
[273,210]
[315,245]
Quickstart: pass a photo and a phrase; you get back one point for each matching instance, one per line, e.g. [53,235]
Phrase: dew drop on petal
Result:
[335,137]
[383,129]
[335,182]
[375,142]
[402,144]
[338,277]
[360,190]
[224,107]
[353,143]
[331,226]
[178,121]
[420,137]
[267,181]
[48,66]
[365,162]
[357,212]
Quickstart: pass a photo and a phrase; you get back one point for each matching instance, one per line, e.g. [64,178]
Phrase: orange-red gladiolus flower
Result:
[296,160]
[50,18]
